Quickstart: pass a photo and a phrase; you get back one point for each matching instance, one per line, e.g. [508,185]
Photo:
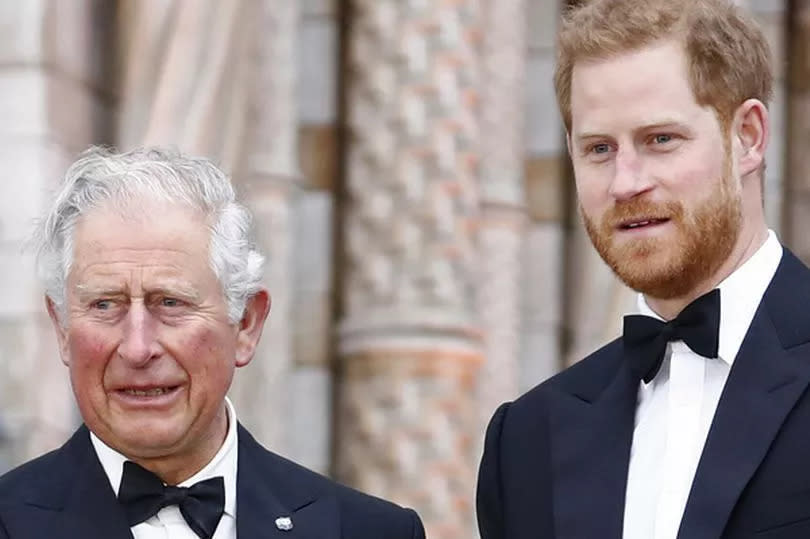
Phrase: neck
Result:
[748,243]
[181,465]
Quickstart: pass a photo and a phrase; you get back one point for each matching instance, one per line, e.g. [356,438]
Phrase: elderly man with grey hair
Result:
[153,287]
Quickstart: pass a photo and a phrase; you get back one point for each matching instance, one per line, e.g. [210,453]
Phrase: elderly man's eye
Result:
[170,302]
[102,304]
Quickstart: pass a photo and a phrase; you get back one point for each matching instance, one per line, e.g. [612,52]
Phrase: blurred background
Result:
[406,167]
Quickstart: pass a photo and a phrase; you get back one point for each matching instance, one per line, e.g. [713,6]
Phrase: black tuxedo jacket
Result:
[66,494]
[555,460]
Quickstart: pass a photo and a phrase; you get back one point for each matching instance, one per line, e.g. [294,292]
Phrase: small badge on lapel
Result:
[284,523]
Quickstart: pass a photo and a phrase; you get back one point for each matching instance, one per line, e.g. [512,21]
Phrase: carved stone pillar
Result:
[503,215]
[409,347]
[218,79]
[312,395]
[547,187]
[184,75]
[797,195]
[54,101]
[269,174]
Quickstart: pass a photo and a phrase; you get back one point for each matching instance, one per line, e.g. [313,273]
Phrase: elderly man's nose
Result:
[139,343]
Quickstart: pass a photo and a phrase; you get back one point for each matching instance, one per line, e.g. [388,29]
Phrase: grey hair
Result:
[101,177]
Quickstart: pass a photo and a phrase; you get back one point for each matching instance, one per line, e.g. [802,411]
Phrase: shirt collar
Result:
[223,464]
[740,296]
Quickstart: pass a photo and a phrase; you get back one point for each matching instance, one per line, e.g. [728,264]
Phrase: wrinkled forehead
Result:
[157,236]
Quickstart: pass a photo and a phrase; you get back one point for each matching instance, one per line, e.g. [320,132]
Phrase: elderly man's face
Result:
[148,342]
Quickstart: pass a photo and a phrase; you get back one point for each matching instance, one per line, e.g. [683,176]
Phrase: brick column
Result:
[54,100]
[408,343]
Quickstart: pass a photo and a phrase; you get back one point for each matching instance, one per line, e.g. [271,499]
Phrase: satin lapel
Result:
[79,499]
[769,375]
[590,441]
[267,490]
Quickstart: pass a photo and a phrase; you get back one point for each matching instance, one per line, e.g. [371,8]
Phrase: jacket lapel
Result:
[769,375]
[269,487]
[591,435]
[76,499]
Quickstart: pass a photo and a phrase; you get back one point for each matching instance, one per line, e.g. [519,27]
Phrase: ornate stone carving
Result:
[407,429]
[408,338]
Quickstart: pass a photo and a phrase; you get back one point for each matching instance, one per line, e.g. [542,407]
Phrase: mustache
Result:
[635,210]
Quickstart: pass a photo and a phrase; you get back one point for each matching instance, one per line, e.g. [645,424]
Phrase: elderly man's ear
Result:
[250,327]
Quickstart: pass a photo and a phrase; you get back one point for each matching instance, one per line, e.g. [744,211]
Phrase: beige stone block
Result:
[19,287]
[545,188]
[37,103]
[542,277]
[312,278]
[799,53]
[774,28]
[78,38]
[545,131]
[72,37]
[311,417]
[312,329]
[35,397]
[313,221]
[766,6]
[543,18]
[319,8]
[24,102]
[542,303]
[775,159]
[774,206]
[797,225]
[32,167]
[21,27]
[775,154]
[77,117]
[798,166]
[540,356]
[317,57]
[318,147]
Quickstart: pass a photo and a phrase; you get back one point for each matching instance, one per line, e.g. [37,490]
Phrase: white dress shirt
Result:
[675,410]
[168,523]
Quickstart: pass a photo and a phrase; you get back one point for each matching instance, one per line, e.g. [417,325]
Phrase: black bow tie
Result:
[143,494]
[646,338]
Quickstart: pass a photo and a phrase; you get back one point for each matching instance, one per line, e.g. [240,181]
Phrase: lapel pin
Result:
[284,523]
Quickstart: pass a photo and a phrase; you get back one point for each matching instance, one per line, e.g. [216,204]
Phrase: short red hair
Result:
[729,57]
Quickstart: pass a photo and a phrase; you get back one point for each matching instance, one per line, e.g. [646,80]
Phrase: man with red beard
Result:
[694,423]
